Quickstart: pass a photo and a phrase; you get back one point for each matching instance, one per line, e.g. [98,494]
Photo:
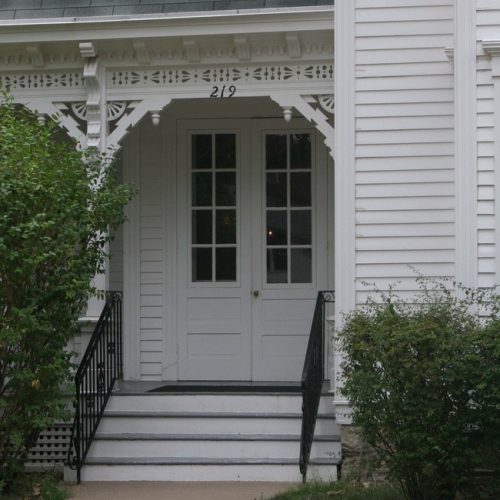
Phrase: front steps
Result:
[209,437]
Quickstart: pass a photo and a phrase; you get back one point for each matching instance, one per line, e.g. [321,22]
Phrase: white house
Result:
[259,186]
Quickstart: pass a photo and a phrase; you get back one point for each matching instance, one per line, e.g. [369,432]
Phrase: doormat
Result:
[197,387]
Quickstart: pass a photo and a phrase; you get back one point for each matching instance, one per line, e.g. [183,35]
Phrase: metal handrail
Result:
[99,369]
[313,376]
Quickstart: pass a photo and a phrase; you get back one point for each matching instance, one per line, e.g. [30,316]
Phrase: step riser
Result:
[220,403]
[278,473]
[213,425]
[208,449]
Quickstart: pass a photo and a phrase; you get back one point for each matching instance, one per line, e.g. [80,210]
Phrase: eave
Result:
[288,20]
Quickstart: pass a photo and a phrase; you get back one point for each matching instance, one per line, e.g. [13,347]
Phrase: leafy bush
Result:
[56,204]
[422,378]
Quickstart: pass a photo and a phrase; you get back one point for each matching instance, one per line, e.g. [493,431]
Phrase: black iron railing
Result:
[100,367]
[313,376]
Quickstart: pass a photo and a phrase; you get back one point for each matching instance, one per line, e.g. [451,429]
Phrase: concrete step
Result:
[213,446]
[225,403]
[116,422]
[209,437]
[194,469]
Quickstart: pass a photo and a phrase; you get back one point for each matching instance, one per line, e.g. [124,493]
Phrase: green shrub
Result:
[422,378]
[56,204]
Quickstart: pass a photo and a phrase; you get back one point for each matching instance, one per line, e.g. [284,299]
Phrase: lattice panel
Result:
[42,80]
[51,448]
[216,75]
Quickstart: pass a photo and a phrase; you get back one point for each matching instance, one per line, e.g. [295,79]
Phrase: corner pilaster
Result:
[492,48]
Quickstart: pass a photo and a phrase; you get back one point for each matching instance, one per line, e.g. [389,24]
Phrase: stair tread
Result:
[123,436]
[188,414]
[204,461]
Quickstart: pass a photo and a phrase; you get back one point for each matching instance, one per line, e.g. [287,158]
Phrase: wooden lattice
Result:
[51,448]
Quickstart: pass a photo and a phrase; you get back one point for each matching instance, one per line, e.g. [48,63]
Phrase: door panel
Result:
[213,312]
[289,248]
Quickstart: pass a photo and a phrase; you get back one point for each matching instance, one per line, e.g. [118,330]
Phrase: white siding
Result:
[488,27]
[152,245]
[404,143]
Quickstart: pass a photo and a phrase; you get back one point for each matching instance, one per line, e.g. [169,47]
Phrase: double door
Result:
[251,247]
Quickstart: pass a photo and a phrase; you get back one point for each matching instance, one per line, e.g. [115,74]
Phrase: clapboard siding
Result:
[152,245]
[488,26]
[405,191]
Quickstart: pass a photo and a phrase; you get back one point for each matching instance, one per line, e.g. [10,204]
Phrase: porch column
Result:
[94,78]
[492,48]
[345,112]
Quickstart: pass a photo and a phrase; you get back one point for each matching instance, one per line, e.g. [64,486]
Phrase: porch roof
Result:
[36,9]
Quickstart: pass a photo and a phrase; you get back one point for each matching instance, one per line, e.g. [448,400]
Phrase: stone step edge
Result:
[187,414]
[208,437]
[295,395]
[205,461]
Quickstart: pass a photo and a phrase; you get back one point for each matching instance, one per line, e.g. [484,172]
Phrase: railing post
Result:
[313,375]
[101,365]
[78,430]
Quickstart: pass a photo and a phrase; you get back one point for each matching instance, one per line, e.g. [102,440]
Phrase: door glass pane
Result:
[276,227]
[277,265]
[301,265]
[225,264]
[300,151]
[225,151]
[276,190]
[300,189]
[225,226]
[301,227]
[201,151]
[202,227]
[225,189]
[276,152]
[202,264]
[202,189]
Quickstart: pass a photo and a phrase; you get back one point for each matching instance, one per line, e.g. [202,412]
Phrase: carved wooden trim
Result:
[227,74]
[314,115]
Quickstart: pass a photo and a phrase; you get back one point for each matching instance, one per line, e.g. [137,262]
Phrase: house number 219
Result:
[222,92]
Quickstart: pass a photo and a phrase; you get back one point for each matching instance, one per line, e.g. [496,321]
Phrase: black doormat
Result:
[197,387]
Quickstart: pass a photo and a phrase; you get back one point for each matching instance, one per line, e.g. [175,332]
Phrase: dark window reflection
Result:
[276,227]
[202,189]
[202,227]
[301,227]
[277,265]
[225,264]
[225,226]
[301,265]
[225,189]
[202,264]
[300,151]
[276,152]
[300,189]
[276,190]
[202,151]
[225,151]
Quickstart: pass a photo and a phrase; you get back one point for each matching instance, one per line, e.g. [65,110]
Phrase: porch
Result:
[214,348]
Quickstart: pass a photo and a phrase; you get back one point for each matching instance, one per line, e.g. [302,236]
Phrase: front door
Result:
[251,253]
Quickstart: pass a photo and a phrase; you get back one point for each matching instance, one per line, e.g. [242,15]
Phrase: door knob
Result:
[255,293]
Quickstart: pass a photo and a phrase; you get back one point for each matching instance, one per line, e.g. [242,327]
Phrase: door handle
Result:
[256,293]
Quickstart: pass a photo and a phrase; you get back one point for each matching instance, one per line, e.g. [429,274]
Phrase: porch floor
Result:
[132,387]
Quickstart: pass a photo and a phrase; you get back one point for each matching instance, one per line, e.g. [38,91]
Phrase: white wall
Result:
[404,142]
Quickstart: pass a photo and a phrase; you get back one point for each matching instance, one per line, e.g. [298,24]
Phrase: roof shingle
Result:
[33,9]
